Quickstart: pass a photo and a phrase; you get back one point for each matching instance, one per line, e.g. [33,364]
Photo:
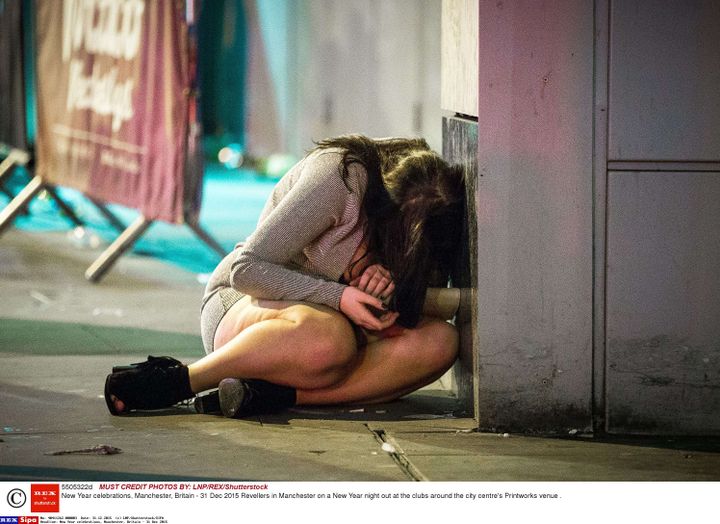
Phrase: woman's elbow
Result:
[241,275]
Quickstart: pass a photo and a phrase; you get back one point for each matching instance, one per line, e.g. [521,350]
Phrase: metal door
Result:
[662,301]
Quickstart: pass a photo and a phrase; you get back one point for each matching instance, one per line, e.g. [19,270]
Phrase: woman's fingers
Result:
[367,320]
[367,298]
[377,285]
[378,323]
[375,280]
[365,278]
[388,292]
[374,323]
[354,303]
[358,305]
[387,320]
[371,321]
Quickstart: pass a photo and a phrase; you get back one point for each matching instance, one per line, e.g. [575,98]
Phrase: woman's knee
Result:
[436,344]
[327,338]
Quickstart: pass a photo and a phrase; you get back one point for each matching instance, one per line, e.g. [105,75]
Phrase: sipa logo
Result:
[45,498]
[16,498]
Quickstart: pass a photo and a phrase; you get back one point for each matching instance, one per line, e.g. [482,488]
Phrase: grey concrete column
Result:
[534,215]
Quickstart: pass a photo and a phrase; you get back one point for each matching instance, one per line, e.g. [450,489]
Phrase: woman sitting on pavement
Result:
[323,302]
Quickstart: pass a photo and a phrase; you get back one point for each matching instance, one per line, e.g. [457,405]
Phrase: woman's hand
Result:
[376,281]
[355,303]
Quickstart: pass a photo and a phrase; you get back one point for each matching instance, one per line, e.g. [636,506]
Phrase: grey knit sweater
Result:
[306,236]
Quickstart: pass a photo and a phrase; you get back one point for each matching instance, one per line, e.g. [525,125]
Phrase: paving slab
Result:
[54,403]
[43,275]
[456,455]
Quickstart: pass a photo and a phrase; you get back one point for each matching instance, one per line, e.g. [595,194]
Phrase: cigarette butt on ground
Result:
[442,302]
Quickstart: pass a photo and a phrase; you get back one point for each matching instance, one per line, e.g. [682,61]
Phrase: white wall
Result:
[334,67]
[459,85]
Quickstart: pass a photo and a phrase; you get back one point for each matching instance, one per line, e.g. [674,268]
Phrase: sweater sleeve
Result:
[314,204]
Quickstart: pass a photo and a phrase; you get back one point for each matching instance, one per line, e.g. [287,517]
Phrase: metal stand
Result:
[17,204]
[129,236]
[205,237]
[121,244]
[109,216]
[15,157]
[63,206]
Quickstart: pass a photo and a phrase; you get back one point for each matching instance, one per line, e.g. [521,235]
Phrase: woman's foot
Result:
[118,404]
[156,383]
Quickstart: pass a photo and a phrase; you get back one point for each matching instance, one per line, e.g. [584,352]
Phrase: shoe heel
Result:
[208,404]
[232,398]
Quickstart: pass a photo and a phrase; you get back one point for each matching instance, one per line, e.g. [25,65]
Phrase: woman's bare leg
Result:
[313,349]
[291,343]
[393,367]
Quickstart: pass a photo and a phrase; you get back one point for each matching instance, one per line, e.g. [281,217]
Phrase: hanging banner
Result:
[114,96]
[12,97]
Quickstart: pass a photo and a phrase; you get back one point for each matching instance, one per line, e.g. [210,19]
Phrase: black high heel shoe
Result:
[238,398]
[151,361]
[157,383]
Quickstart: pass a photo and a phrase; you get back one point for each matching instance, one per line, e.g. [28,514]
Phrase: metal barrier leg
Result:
[205,237]
[18,157]
[15,157]
[17,204]
[109,216]
[6,165]
[121,244]
[63,206]
[5,191]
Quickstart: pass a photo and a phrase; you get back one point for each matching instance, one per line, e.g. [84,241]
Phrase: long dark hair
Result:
[413,207]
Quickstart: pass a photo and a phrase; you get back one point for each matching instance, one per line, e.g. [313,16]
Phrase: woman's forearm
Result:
[263,279]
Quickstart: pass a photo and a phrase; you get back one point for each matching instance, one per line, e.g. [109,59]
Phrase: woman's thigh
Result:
[249,311]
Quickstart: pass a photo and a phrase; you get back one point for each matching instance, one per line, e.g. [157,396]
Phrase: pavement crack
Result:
[398,455]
